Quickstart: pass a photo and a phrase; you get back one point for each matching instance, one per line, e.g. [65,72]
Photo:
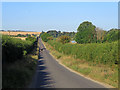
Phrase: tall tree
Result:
[112,35]
[100,34]
[54,33]
[86,33]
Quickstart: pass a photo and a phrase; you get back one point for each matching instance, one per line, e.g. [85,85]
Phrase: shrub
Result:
[20,35]
[50,38]
[45,36]
[112,35]
[17,71]
[64,39]
[31,38]
[13,48]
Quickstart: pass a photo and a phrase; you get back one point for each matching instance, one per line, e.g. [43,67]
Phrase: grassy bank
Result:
[19,72]
[100,72]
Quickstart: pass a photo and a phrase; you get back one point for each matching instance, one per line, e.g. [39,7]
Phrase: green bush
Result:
[17,71]
[112,35]
[64,39]
[34,43]
[13,48]
[45,37]
[20,35]
[31,38]
[104,53]
[50,38]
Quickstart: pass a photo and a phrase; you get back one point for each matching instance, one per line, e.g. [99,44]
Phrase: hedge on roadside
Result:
[104,53]
[14,49]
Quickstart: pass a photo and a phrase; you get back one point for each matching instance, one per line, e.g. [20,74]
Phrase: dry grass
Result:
[16,33]
[22,38]
[99,72]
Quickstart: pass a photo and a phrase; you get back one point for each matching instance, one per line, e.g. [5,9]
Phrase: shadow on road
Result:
[42,77]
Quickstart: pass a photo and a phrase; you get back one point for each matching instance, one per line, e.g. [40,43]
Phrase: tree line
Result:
[86,33]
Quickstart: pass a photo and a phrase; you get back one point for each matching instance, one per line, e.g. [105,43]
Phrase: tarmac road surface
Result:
[51,74]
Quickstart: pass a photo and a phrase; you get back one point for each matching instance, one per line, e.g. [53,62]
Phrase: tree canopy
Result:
[100,34]
[57,34]
[112,35]
[86,33]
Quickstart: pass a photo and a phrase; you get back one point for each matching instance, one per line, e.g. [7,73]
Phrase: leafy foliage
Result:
[100,34]
[86,33]
[28,35]
[13,48]
[50,38]
[53,33]
[112,35]
[64,39]
[31,38]
[45,36]
[57,34]
[105,53]
[20,35]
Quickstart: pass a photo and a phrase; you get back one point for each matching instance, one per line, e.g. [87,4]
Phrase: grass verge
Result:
[101,73]
[20,73]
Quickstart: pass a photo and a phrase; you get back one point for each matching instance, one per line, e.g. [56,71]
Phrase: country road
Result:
[50,74]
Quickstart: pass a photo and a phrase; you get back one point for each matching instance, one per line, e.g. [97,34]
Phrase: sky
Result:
[63,16]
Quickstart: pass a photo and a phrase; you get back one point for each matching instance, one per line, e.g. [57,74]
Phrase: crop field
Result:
[16,33]
[22,38]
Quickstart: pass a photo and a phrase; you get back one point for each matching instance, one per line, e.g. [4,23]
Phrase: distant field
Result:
[16,33]
[22,38]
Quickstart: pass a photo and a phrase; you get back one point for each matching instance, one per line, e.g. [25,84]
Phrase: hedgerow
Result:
[45,37]
[14,49]
[104,53]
